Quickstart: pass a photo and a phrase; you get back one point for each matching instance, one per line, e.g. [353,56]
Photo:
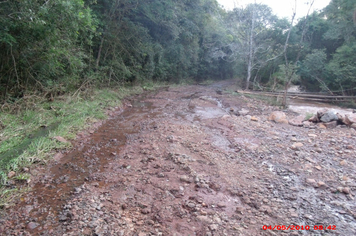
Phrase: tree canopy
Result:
[54,47]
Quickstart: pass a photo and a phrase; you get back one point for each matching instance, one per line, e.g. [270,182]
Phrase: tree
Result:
[252,27]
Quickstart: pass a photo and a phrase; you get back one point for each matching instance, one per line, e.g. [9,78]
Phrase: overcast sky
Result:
[282,8]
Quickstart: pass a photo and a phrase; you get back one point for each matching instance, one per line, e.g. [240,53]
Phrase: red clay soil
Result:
[179,161]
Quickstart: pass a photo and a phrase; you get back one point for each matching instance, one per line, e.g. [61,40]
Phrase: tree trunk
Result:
[289,75]
[99,53]
[250,54]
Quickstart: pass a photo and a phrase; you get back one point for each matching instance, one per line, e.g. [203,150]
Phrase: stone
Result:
[321,184]
[185,179]
[321,126]
[278,117]
[331,125]
[346,190]
[318,167]
[312,135]
[351,118]
[311,181]
[213,227]
[191,205]
[239,210]
[320,113]
[314,119]
[297,121]
[340,189]
[319,150]
[204,218]
[343,163]
[328,117]
[32,225]
[296,146]
[145,211]
[253,118]
[340,117]
[243,112]
[11,174]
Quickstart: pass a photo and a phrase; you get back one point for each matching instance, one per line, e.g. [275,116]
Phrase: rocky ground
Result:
[194,160]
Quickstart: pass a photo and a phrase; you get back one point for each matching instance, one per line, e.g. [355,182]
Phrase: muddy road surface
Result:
[184,161]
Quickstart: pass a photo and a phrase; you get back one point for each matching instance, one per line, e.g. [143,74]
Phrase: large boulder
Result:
[350,119]
[320,113]
[328,117]
[278,117]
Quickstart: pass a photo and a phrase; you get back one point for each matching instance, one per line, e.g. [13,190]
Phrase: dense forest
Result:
[54,47]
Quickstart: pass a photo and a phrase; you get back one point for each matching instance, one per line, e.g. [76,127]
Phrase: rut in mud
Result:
[180,162]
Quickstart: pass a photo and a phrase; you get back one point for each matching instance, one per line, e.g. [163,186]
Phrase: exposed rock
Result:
[145,211]
[331,125]
[204,218]
[253,118]
[350,119]
[328,117]
[278,117]
[32,225]
[186,179]
[243,112]
[321,126]
[314,119]
[346,190]
[320,113]
[296,146]
[213,227]
[321,184]
[308,124]
[318,167]
[297,121]
[343,163]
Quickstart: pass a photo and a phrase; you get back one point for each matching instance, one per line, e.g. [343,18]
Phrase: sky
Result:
[282,8]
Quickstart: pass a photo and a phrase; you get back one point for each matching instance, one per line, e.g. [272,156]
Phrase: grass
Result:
[27,132]
[308,116]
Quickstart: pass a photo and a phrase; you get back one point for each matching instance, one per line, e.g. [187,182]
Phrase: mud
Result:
[178,161]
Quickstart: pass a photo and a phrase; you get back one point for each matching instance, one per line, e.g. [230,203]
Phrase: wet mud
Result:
[179,161]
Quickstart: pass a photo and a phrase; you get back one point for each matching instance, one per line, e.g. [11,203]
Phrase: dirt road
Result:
[179,161]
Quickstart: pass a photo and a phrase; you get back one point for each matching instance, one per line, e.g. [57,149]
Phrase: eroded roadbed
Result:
[180,162]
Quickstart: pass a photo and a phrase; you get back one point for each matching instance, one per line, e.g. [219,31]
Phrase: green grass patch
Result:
[308,116]
[27,133]
[8,195]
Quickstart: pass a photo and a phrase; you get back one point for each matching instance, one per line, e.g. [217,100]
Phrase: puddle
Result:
[209,112]
[303,107]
